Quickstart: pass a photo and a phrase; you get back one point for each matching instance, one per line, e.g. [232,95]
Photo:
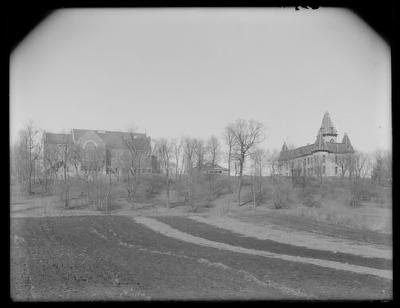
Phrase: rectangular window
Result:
[336,169]
[323,169]
[323,158]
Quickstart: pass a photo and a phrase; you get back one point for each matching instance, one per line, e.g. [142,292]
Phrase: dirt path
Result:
[304,239]
[174,233]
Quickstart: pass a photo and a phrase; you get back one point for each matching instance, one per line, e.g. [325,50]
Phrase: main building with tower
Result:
[324,157]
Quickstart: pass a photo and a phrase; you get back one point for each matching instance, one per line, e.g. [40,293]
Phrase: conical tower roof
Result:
[346,141]
[327,127]
[284,147]
[283,153]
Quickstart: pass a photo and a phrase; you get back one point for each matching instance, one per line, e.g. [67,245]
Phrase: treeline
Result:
[181,162]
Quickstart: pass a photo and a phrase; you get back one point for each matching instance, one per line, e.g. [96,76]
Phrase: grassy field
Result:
[334,209]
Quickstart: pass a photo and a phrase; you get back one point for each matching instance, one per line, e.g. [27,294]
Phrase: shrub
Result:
[195,190]
[312,201]
[180,188]
[151,185]
[220,186]
[356,194]
[282,192]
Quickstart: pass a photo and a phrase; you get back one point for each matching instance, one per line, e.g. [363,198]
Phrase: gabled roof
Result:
[327,127]
[301,151]
[339,148]
[115,139]
[319,145]
[51,138]
[209,166]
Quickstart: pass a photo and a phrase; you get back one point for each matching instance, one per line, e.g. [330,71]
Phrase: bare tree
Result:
[318,167]
[213,150]
[189,153]
[76,157]
[139,150]
[66,153]
[200,152]
[52,162]
[229,141]
[360,164]
[136,152]
[344,161]
[212,154]
[382,167]
[27,153]
[93,161]
[164,148]
[272,160]
[359,168]
[246,134]
[258,158]
[176,153]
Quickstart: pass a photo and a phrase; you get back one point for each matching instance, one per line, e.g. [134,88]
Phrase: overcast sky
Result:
[174,72]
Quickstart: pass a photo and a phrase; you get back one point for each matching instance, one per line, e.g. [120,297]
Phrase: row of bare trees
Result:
[185,158]
[181,162]
[188,156]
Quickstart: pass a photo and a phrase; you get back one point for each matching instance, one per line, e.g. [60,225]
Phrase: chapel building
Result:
[106,151]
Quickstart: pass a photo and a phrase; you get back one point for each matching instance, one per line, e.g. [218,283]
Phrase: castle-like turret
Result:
[284,150]
[284,147]
[346,141]
[328,130]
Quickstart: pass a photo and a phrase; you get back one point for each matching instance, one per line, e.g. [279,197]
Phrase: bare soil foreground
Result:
[120,258]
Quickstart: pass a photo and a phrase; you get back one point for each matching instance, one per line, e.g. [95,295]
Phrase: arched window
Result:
[90,149]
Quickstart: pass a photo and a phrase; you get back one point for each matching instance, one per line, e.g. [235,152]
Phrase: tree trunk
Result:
[109,192]
[253,191]
[167,189]
[241,162]
[260,181]
[229,169]
[176,169]
[30,169]
[66,201]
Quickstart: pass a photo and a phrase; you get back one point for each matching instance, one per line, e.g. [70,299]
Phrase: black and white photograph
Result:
[201,154]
